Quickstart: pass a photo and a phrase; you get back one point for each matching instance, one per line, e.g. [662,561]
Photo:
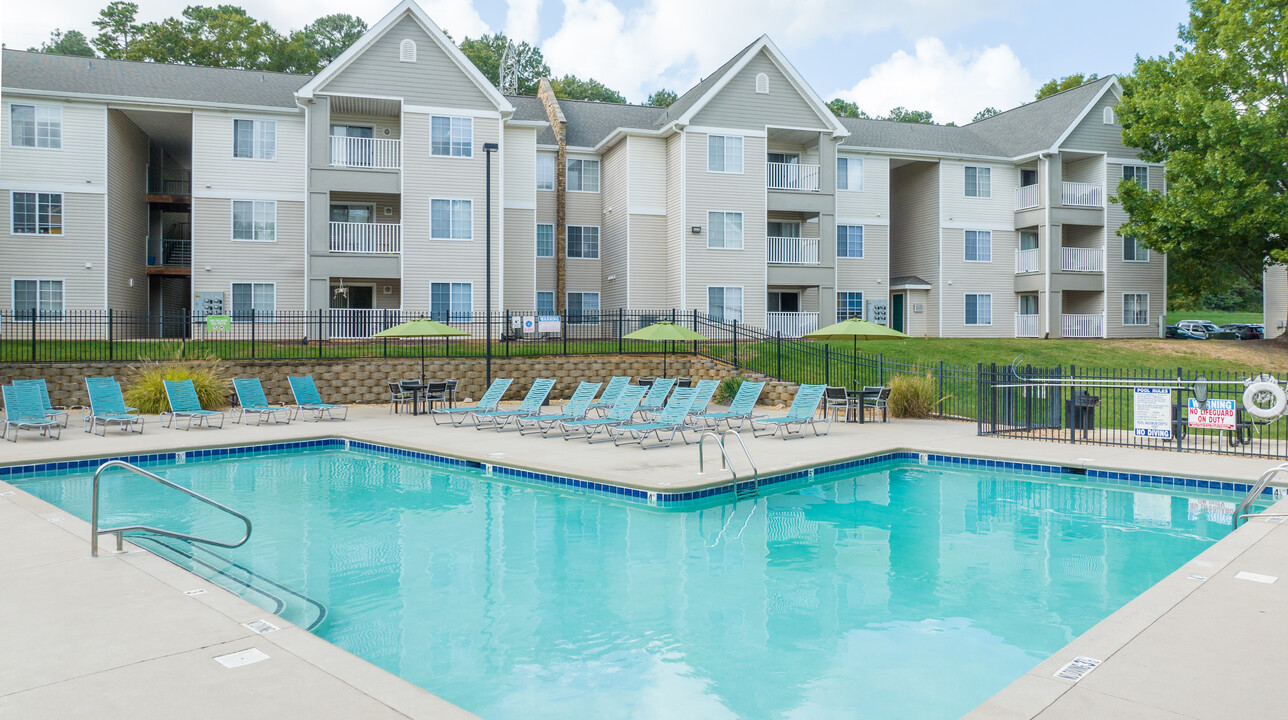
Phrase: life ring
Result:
[1265,384]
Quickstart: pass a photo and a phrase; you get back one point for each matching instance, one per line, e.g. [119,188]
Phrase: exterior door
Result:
[784,302]
[896,312]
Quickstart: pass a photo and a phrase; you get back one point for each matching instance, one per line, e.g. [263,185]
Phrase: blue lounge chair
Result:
[51,412]
[252,403]
[615,386]
[308,400]
[185,405]
[23,411]
[655,398]
[671,420]
[703,392]
[740,410]
[487,403]
[620,414]
[575,409]
[531,405]
[108,383]
[107,407]
[802,413]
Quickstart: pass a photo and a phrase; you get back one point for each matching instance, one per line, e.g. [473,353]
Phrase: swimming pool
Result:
[894,589]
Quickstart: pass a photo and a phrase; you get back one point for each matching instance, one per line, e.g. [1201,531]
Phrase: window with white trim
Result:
[583,175]
[979,246]
[255,139]
[451,301]
[546,172]
[583,308]
[451,136]
[849,174]
[36,213]
[257,298]
[42,298]
[979,309]
[545,240]
[1134,251]
[849,305]
[724,153]
[451,219]
[582,242]
[1135,308]
[724,230]
[36,126]
[255,220]
[1139,173]
[545,302]
[979,182]
[1109,116]
[407,50]
[762,83]
[849,241]
[724,303]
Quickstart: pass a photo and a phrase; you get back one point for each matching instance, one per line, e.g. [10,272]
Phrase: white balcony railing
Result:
[376,238]
[356,152]
[1081,195]
[1026,197]
[791,324]
[353,323]
[1027,261]
[792,250]
[1026,326]
[791,176]
[1082,326]
[1076,259]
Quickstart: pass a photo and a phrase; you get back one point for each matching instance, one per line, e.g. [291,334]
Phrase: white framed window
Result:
[36,126]
[724,230]
[407,51]
[582,242]
[979,246]
[257,298]
[762,83]
[583,308]
[546,172]
[725,303]
[1109,116]
[849,174]
[1139,173]
[849,305]
[979,182]
[451,219]
[583,175]
[451,136]
[450,301]
[255,220]
[42,298]
[979,309]
[1134,251]
[849,241]
[545,302]
[255,139]
[545,240]
[724,154]
[1135,308]
[32,213]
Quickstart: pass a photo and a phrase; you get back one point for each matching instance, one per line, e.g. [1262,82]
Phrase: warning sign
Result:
[1213,415]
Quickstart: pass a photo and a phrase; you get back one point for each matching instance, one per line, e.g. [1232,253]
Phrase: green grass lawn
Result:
[1220,318]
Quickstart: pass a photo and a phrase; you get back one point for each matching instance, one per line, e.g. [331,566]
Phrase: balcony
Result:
[1074,194]
[369,153]
[369,238]
[1076,259]
[169,185]
[1027,197]
[1028,261]
[1026,326]
[791,324]
[792,250]
[791,176]
[1082,326]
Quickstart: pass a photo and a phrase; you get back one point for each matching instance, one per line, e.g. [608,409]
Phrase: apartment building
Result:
[171,189]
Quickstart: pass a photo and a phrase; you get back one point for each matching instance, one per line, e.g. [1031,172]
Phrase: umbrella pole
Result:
[422,359]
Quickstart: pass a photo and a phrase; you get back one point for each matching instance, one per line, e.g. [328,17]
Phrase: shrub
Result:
[728,388]
[146,389]
[914,396]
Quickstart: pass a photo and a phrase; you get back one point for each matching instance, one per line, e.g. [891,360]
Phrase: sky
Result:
[952,57]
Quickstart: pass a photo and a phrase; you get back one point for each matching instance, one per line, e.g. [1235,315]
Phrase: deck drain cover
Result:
[1255,577]
[261,626]
[245,657]
[198,591]
[6,493]
[1076,668]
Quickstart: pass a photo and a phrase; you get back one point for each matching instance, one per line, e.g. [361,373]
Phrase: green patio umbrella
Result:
[421,328]
[857,330]
[665,331]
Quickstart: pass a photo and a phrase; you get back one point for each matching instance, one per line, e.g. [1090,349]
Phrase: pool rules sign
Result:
[1152,412]
[1213,415]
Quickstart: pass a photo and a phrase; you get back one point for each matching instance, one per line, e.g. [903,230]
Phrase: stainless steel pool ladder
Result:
[1266,479]
[95,531]
[727,464]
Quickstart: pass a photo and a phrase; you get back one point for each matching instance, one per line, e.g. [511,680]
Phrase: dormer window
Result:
[762,84]
[1109,116]
[407,51]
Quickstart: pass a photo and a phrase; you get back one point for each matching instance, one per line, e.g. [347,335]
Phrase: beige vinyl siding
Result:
[520,255]
[216,173]
[648,263]
[54,257]
[1086,170]
[519,162]
[231,261]
[586,208]
[1274,288]
[1083,236]
[994,212]
[996,277]
[81,161]
[1083,302]
[378,124]
[869,274]
[381,201]
[917,324]
[614,238]
[914,232]
[676,230]
[874,200]
[1094,135]
[1131,277]
[434,79]
[738,105]
[647,175]
[545,271]
[127,214]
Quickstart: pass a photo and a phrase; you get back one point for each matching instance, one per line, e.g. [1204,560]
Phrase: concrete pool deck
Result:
[117,636]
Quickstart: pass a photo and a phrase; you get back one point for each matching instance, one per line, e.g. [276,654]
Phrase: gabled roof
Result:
[917,137]
[530,108]
[677,109]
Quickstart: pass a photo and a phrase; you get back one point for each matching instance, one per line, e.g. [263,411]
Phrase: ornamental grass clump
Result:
[145,386]
[914,396]
[728,389]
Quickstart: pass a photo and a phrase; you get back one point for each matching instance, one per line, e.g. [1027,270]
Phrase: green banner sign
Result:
[218,322]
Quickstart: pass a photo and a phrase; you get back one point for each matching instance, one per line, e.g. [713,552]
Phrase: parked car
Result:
[1244,331]
[1176,333]
[1205,329]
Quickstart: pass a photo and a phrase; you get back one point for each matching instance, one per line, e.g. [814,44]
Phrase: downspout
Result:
[1045,159]
[559,125]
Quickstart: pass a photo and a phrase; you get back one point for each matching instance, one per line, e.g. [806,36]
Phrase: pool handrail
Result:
[1254,493]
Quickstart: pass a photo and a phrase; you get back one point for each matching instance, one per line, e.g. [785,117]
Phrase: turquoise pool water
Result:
[897,591]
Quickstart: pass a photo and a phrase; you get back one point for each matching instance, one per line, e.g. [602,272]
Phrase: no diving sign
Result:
[1213,415]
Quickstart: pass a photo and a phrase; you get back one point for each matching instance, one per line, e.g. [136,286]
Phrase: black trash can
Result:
[1080,411]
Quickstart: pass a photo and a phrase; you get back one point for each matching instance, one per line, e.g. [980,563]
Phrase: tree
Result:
[117,29]
[1068,82]
[1215,110]
[220,36]
[571,87]
[486,51]
[903,114]
[71,42]
[845,108]
[330,35]
[662,98]
[987,112]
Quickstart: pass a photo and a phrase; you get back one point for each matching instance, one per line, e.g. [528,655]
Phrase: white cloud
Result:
[952,85]
[522,21]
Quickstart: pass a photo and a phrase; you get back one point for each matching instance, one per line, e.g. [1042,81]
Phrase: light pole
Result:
[488,149]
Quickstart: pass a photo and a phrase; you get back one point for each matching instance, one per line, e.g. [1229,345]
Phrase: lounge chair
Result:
[614,388]
[487,403]
[671,420]
[185,405]
[251,402]
[23,411]
[575,409]
[740,410]
[51,412]
[531,405]
[802,413]
[703,392]
[620,414]
[307,400]
[107,407]
[655,398]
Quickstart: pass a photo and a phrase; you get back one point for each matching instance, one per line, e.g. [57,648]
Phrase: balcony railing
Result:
[169,181]
[1028,261]
[1074,194]
[353,323]
[355,237]
[1082,326]
[1027,197]
[164,251]
[356,152]
[1076,259]
[791,324]
[791,176]
[792,250]
[1026,326]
